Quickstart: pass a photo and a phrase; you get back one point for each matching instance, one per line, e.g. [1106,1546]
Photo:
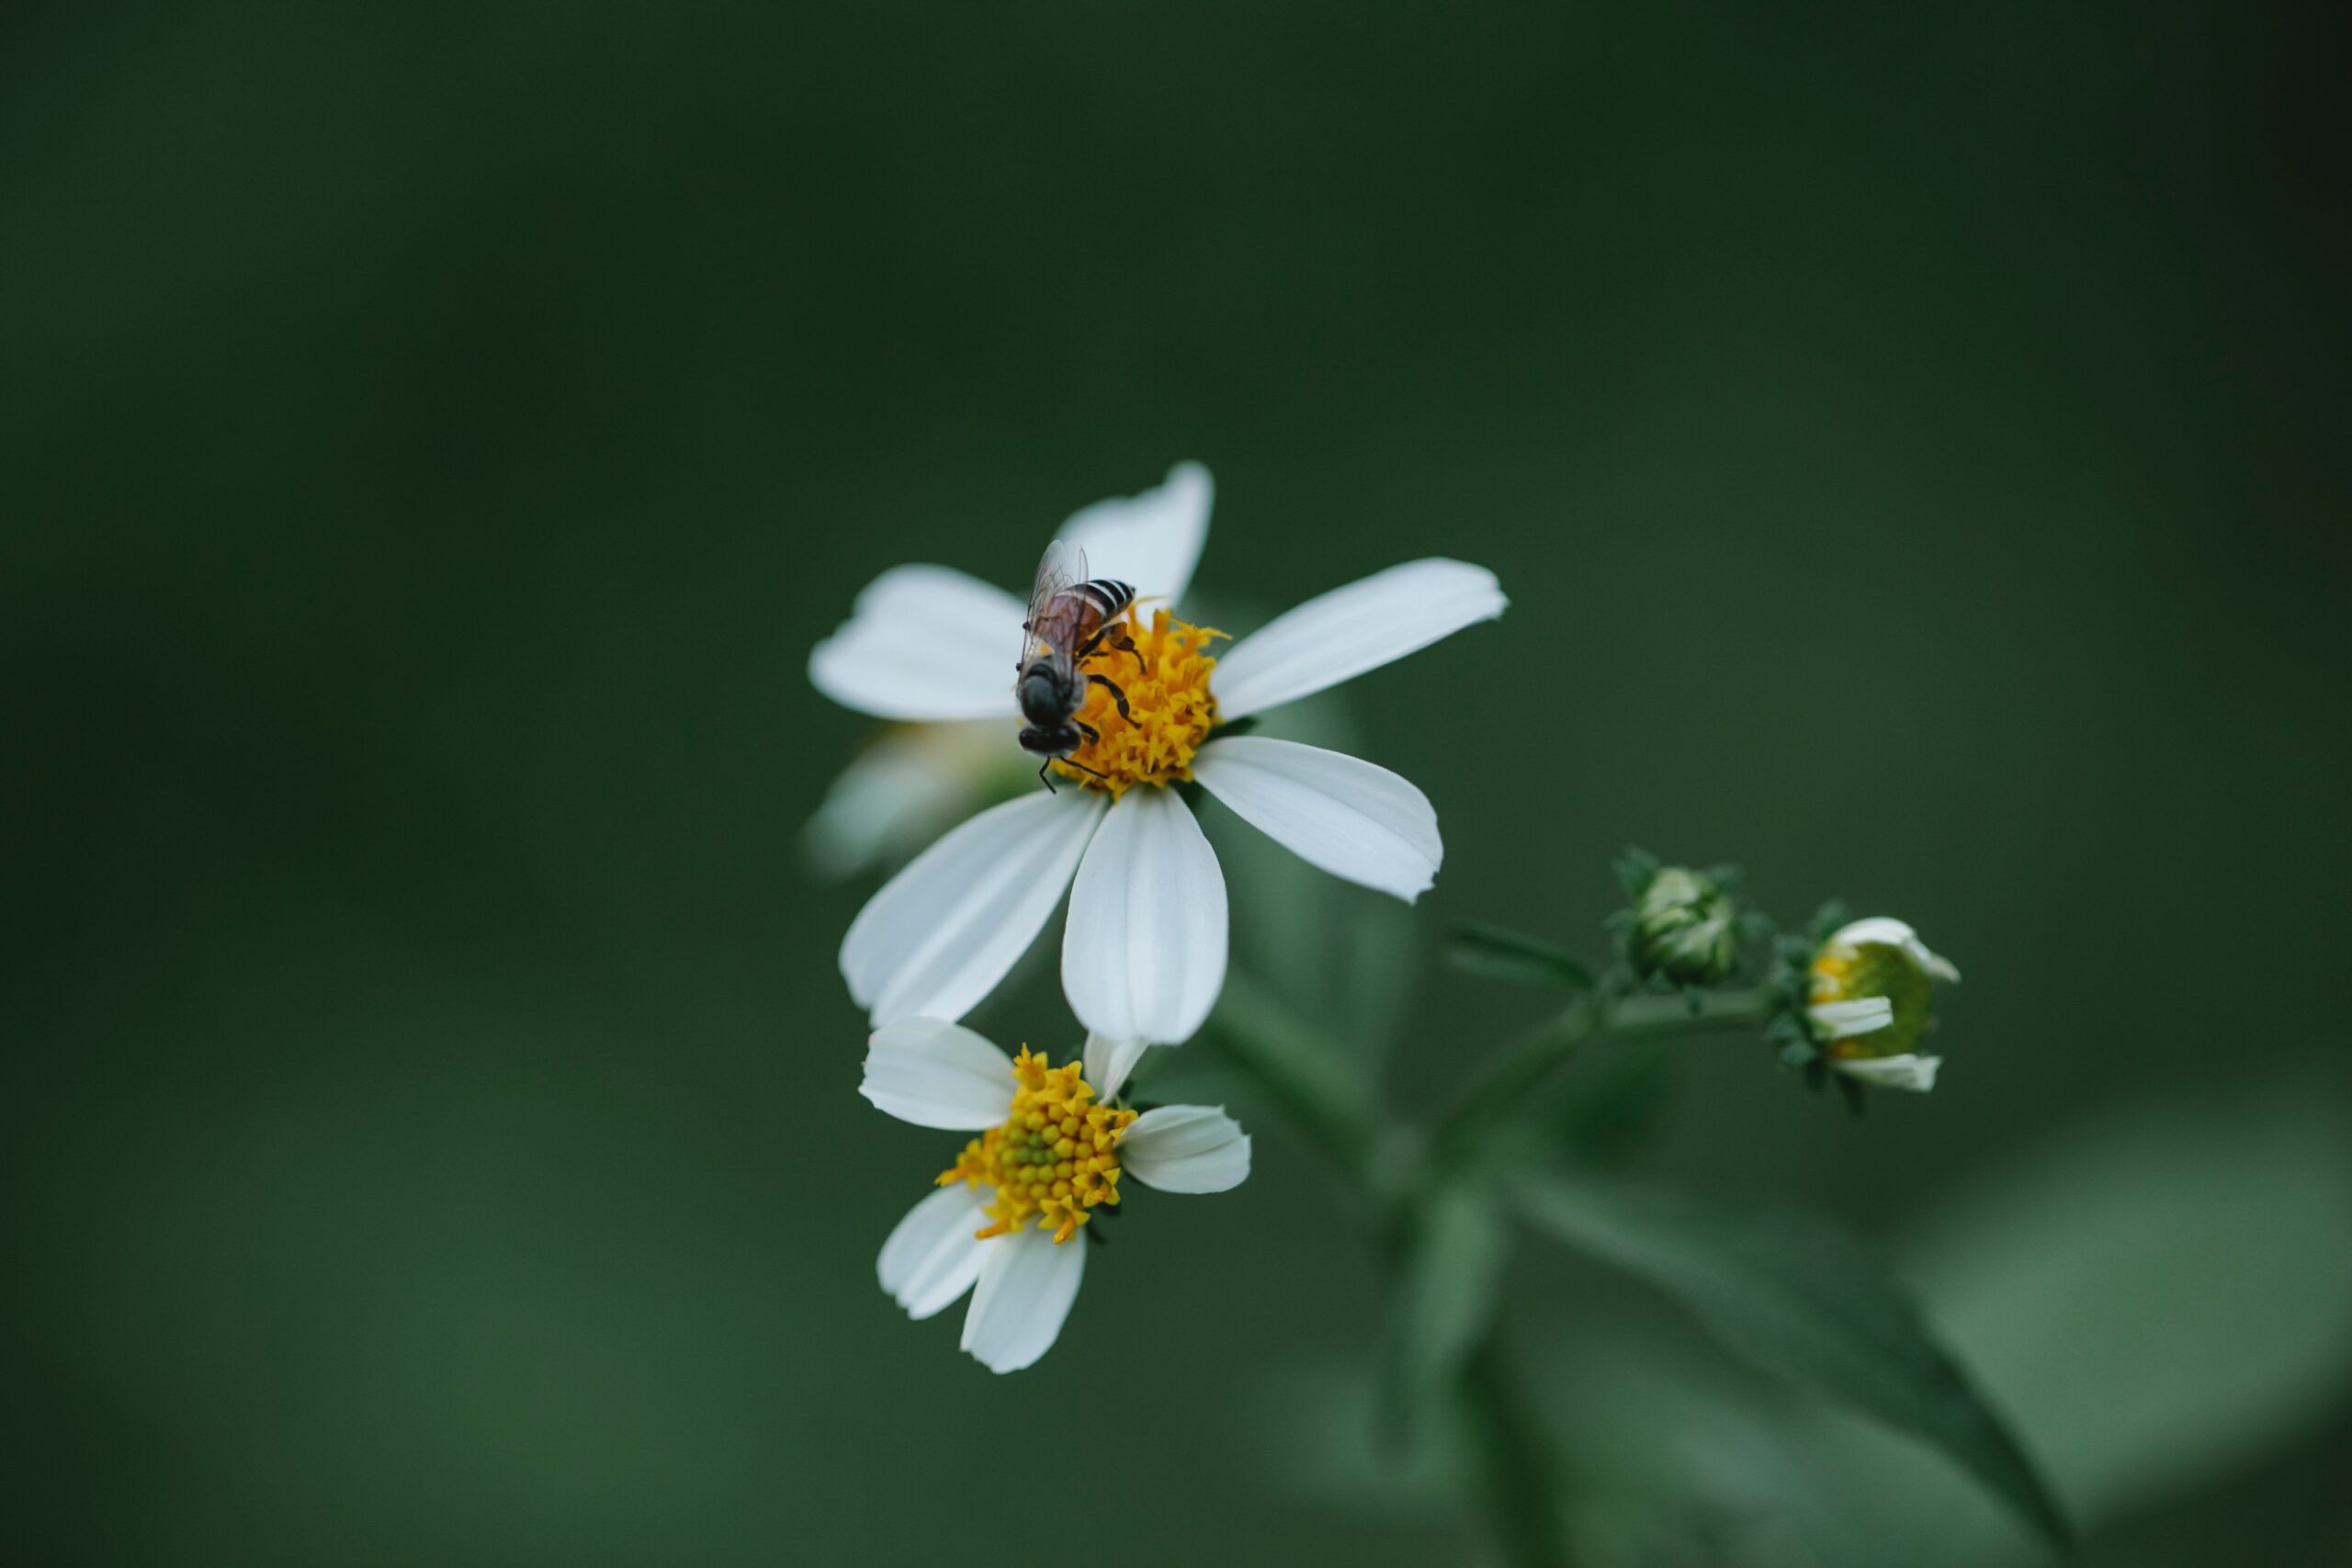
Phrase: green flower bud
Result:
[1685,928]
[1869,1005]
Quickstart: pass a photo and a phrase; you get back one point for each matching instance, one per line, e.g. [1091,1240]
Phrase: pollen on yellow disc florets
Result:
[1849,972]
[1170,710]
[1056,1156]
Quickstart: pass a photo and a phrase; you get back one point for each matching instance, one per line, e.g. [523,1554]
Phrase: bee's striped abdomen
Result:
[1105,596]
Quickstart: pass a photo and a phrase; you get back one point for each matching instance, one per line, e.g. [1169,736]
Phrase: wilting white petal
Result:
[938,935]
[932,1257]
[936,1074]
[1108,1063]
[924,642]
[1340,813]
[1885,931]
[911,785]
[1910,1070]
[1027,1284]
[1144,954]
[1186,1148]
[1152,540]
[1343,633]
[1843,1020]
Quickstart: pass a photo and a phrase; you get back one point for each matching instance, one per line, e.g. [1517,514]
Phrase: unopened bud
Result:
[1685,928]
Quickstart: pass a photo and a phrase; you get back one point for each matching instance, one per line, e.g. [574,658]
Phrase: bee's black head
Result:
[1051,739]
[1047,699]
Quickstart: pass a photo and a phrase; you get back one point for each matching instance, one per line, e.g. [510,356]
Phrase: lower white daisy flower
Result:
[1144,954]
[1009,1220]
[1869,1005]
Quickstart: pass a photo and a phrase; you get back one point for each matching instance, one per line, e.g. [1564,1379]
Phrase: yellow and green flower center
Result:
[1056,1156]
[1845,972]
[1170,710]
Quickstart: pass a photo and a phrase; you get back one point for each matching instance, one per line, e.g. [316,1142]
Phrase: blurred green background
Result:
[1914,443]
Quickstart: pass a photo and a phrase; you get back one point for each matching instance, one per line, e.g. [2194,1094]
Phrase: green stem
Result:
[1316,1085]
[1517,1464]
[1319,1089]
[1513,1073]
[1674,1015]
[1519,1068]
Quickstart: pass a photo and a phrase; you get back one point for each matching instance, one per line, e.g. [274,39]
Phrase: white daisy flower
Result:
[1009,1220]
[902,656]
[1871,984]
[1144,954]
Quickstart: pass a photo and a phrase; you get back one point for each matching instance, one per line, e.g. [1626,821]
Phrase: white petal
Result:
[1843,1020]
[1910,1070]
[1333,811]
[938,935]
[908,788]
[1186,1148]
[1152,540]
[1144,954]
[1108,1063]
[924,642]
[936,1074]
[1881,929]
[1027,1284]
[1349,630]
[1885,931]
[933,1256]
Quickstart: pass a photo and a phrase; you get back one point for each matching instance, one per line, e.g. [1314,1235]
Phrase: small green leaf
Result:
[1803,1298]
[1635,866]
[1449,1280]
[1501,954]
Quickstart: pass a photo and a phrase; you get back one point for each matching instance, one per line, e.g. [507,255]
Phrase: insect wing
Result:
[1052,623]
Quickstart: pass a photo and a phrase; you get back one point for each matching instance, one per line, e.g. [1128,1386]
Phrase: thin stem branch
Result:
[1317,1087]
[1675,1015]
[1332,1103]
[1517,1461]
[1519,1068]
[1513,1073]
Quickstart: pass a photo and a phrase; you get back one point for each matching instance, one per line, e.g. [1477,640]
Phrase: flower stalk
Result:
[1318,1091]
[1520,1067]
[1516,1461]
[1306,1076]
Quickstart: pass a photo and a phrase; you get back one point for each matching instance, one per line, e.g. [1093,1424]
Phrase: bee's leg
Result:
[1119,639]
[1044,778]
[1091,734]
[1118,695]
[1114,634]
[1082,767]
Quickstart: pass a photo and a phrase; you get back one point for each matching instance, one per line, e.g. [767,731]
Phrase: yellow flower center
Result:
[1845,973]
[1056,1156]
[1170,711]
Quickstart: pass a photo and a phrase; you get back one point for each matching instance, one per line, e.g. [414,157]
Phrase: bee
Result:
[1071,617]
